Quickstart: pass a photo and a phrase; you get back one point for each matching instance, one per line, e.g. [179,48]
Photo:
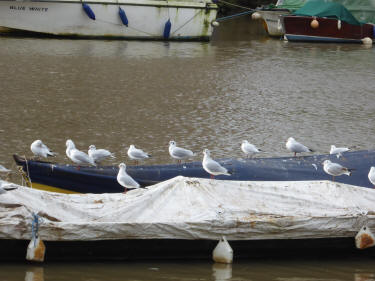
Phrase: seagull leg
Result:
[212,176]
[125,190]
[333,178]
[295,154]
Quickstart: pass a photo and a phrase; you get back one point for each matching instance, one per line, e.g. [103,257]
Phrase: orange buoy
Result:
[314,23]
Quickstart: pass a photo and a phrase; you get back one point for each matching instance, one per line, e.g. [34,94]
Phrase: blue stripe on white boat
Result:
[88,11]
[123,16]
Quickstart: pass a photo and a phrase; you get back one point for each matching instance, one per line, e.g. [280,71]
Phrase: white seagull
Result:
[40,149]
[212,167]
[124,179]
[335,169]
[69,146]
[248,148]
[99,155]
[338,150]
[4,189]
[77,156]
[137,154]
[371,175]
[294,146]
[178,152]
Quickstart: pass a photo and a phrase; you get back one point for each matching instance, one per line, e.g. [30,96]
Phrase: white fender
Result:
[367,41]
[36,250]
[364,238]
[223,252]
[256,16]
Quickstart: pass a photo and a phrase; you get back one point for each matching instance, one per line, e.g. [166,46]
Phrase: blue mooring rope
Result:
[235,15]
[35,228]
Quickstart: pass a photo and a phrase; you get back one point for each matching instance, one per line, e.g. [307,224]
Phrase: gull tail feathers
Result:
[349,173]
[228,173]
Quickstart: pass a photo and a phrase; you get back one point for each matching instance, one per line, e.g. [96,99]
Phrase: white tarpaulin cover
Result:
[190,208]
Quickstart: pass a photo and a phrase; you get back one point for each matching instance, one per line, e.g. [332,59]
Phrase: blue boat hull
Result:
[103,179]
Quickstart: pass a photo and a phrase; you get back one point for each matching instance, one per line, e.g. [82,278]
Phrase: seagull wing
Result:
[127,181]
[80,156]
[47,151]
[215,167]
[299,147]
[337,169]
[138,153]
[179,152]
[100,154]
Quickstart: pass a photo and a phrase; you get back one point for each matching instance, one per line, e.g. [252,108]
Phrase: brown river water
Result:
[241,85]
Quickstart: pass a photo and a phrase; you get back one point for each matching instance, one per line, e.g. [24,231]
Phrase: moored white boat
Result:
[191,213]
[128,19]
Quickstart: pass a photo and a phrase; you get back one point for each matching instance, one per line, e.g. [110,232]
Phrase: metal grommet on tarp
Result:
[223,252]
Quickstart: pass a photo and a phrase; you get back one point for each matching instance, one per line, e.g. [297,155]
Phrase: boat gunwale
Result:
[159,4]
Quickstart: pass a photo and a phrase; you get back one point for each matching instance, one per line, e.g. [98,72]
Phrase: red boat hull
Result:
[298,28]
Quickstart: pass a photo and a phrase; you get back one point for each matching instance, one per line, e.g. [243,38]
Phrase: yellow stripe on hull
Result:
[52,189]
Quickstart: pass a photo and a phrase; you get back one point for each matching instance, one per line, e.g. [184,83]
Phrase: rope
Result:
[108,22]
[231,4]
[168,10]
[147,33]
[35,228]
[235,15]
[186,22]
[28,173]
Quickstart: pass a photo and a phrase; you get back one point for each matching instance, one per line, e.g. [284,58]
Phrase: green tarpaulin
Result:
[362,10]
[290,4]
[320,8]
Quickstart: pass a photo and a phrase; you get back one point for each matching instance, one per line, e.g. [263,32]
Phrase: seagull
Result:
[137,154]
[69,146]
[99,154]
[77,156]
[248,148]
[371,176]
[124,179]
[3,169]
[212,167]
[338,150]
[40,149]
[4,189]
[294,146]
[335,169]
[178,152]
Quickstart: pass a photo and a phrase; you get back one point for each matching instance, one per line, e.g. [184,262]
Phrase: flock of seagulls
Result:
[95,156]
